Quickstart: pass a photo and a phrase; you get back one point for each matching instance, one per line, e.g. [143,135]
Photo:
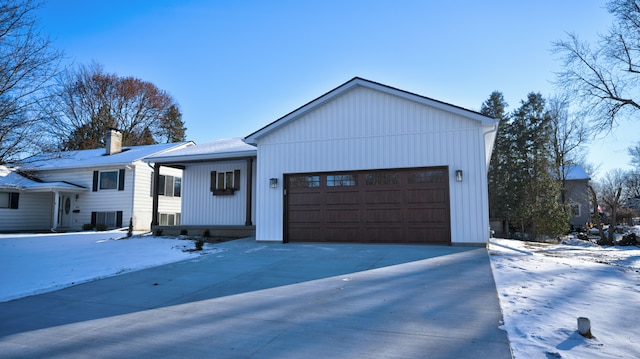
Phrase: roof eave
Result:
[203,157]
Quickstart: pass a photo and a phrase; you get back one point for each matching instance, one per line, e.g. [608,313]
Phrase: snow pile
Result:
[32,264]
[544,288]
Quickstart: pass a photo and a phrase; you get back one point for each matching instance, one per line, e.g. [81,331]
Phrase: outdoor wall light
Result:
[273,182]
[458,175]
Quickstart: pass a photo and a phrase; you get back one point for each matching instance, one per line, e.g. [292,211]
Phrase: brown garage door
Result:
[399,205]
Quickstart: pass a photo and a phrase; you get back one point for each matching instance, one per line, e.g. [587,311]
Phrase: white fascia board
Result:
[202,157]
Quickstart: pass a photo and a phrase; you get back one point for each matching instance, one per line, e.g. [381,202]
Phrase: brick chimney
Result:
[114,142]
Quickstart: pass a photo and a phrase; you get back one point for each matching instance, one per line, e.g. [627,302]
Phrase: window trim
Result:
[119,180]
[164,217]
[12,202]
[169,182]
[224,183]
[101,180]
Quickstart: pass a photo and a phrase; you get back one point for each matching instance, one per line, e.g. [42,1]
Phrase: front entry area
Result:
[64,211]
[373,206]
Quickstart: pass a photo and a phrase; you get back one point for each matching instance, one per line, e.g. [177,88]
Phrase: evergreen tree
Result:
[535,189]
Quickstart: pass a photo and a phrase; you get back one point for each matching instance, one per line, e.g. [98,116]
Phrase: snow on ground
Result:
[32,264]
[544,288]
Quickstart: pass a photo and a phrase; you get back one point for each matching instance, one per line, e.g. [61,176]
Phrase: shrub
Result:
[130,231]
[87,227]
[101,227]
[157,232]
[206,233]
[199,244]
[184,232]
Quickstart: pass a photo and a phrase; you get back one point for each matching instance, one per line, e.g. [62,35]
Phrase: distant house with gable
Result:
[66,190]
[576,187]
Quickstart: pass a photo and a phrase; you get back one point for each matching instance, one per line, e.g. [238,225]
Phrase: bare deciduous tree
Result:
[27,64]
[568,134]
[89,101]
[604,79]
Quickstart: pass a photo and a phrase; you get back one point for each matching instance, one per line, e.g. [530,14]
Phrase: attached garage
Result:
[378,206]
[366,162]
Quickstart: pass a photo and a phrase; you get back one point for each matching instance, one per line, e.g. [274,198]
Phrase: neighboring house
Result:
[218,184]
[364,162]
[577,196]
[66,190]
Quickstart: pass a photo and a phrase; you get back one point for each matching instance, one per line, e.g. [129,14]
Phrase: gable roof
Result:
[356,82]
[13,181]
[95,157]
[226,148]
[575,172]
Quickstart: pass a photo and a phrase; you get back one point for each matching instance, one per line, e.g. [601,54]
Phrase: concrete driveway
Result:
[258,300]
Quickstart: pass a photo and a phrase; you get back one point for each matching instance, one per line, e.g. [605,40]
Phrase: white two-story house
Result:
[68,190]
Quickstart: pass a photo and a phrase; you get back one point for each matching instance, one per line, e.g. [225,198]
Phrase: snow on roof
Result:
[95,157]
[11,180]
[575,173]
[218,149]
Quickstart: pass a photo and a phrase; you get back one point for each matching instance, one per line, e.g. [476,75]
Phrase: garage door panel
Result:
[342,197]
[435,195]
[305,216]
[342,216]
[430,235]
[305,199]
[383,216]
[341,234]
[384,196]
[399,205]
[427,215]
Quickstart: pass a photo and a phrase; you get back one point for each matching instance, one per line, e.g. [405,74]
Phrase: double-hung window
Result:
[170,186]
[108,180]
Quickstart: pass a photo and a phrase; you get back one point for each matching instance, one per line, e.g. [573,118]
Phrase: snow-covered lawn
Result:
[544,288]
[32,264]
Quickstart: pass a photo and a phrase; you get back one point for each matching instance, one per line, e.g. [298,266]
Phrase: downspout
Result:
[133,193]
[484,135]
[505,224]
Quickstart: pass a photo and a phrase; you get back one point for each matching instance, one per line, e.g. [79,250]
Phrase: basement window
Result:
[169,219]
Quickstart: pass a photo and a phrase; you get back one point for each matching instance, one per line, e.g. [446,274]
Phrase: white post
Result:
[56,210]
[584,327]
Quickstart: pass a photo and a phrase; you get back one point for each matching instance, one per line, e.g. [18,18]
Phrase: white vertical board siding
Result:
[34,212]
[368,129]
[201,207]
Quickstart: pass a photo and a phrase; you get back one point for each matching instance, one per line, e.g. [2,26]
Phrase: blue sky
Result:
[235,66]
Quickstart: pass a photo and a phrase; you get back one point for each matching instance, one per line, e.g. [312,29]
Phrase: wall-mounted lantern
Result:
[273,183]
[458,175]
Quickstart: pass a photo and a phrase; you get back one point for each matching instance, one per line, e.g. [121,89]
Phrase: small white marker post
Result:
[584,327]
